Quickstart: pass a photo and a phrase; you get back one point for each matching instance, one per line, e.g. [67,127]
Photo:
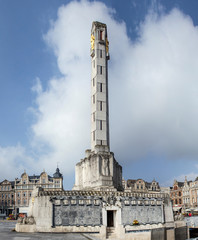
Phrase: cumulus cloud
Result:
[63,109]
[161,94]
[153,86]
[180,178]
[14,160]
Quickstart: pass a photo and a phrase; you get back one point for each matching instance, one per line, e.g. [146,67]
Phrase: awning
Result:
[175,209]
[187,210]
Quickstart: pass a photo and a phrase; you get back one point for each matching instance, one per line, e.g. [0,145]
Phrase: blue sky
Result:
[45,89]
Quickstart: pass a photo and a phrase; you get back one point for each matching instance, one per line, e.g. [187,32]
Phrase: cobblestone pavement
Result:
[6,232]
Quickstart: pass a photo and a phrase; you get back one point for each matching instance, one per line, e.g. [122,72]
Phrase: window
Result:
[93,135]
[8,188]
[24,181]
[100,53]
[93,81]
[100,35]
[100,124]
[94,117]
[19,202]
[100,87]
[180,201]
[30,194]
[43,180]
[100,105]
[93,98]
[99,70]
[24,201]
[175,201]
[24,194]
[18,194]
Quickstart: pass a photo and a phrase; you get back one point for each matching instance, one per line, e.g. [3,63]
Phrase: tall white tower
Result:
[99,88]
[99,170]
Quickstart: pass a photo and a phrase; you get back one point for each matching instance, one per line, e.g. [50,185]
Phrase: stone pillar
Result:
[99,88]
[99,170]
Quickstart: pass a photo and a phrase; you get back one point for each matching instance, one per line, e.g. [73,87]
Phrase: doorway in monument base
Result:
[110,218]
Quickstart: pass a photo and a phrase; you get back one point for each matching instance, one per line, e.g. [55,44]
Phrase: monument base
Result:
[105,215]
[98,171]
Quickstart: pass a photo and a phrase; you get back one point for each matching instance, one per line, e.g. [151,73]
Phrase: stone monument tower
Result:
[99,170]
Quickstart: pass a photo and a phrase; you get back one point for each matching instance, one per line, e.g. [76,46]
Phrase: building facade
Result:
[176,195]
[193,193]
[184,195]
[15,195]
[7,197]
[139,185]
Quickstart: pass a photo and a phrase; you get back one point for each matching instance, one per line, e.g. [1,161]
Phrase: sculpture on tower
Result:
[99,169]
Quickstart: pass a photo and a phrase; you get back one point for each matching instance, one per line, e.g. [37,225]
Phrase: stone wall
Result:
[144,214]
[87,211]
[181,233]
[78,212]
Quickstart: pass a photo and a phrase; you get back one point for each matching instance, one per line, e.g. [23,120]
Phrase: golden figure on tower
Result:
[107,45]
[92,41]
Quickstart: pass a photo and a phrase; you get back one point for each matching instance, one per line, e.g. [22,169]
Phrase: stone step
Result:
[112,237]
[111,233]
[110,229]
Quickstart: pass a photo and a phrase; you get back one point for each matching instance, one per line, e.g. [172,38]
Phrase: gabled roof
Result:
[5,180]
[180,184]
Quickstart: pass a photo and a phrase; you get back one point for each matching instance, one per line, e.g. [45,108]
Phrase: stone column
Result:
[99,88]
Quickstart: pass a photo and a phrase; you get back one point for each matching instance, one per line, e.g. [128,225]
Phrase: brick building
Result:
[177,195]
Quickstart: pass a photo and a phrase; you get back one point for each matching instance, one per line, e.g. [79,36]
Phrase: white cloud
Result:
[14,161]
[160,91]
[153,86]
[63,113]
[180,178]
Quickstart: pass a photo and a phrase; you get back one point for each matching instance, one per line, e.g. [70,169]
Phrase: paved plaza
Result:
[6,232]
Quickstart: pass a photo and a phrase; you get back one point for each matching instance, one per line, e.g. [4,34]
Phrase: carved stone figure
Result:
[105,168]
